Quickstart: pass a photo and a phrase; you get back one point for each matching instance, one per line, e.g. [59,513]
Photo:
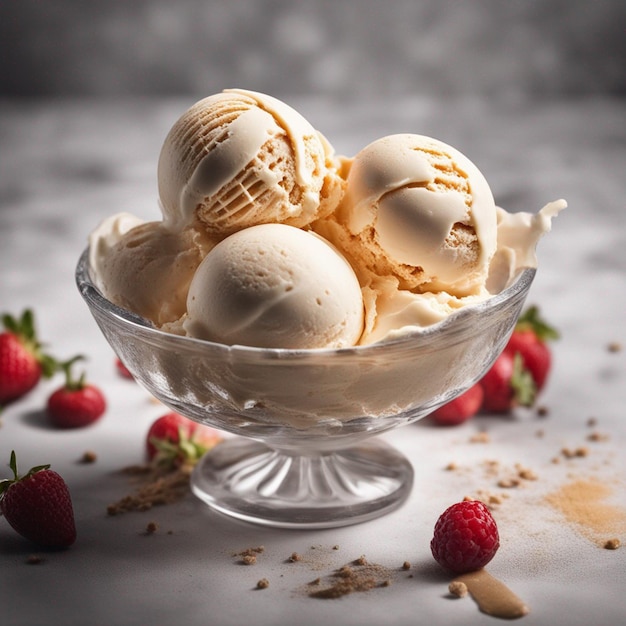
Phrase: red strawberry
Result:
[22,362]
[530,339]
[520,372]
[460,409]
[174,440]
[77,403]
[122,370]
[465,538]
[38,506]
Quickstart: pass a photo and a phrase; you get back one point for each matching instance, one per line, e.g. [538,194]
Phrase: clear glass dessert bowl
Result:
[306,455]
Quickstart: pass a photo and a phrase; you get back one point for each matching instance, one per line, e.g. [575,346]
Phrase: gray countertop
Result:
[66,165]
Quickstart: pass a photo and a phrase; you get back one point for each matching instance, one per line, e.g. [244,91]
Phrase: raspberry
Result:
[465,538]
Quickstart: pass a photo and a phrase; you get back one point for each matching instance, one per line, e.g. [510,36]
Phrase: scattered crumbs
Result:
[34,559]
[481,437]
[359,576]
[543,411]
[151,528]
[89,456]
[571,453]
[156,487]
[294,557]
[457,589]
[614,346]
[612,544]
[249,555]
[596,436]
[406,565]
[263,584]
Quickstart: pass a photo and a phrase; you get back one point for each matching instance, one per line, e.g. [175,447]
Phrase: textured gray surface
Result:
[495,48]
[64,166]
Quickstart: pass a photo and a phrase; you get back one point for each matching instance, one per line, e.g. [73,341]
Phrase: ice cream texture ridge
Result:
[269,239]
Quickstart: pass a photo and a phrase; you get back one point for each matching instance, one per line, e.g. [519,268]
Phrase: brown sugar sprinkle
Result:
[508,483]
[612,544]
[263,584]
[614,346]
[248,559]
[525,473]
[458,589]
[361,560]
[294,557]
[156,487]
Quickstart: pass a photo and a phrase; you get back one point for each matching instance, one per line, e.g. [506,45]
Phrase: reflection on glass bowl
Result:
[306,455]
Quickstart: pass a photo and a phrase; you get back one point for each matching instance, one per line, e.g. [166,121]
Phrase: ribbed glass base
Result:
[251,481]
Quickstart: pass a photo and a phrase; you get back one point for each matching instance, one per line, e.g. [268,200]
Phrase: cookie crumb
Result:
[335,547]
[543,411]
[406,565]
[481,437]
[317,581]
[294,557]
[89,456]
[614,346]
[248,559]
[34,559]
[570,453]
[596,436]
[263,584]
[151,528]
[592,421]
[612,544]
[361,560]
[458,589]
[450,467]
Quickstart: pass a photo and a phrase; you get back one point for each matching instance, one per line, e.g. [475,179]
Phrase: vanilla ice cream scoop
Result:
[240,158]
[275,286]
[146,267]
[419,210]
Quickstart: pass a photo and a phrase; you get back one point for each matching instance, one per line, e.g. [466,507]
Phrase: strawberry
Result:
[22,362]
[38,506]
[521,371]
[530,338]
[174,440]
[77,403]
[465,538]
[122,370]
[460,409]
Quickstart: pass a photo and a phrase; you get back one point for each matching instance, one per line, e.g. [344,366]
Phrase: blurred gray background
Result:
[504,49]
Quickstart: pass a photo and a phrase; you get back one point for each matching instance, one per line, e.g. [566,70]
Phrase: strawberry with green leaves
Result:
[22,361]
[38,506]
[77,403]
[521,371]
[174,440]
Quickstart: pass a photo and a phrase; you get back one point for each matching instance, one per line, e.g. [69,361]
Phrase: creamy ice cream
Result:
[419,210]
[240,158]
[145,266]
[270,240]
[275,286]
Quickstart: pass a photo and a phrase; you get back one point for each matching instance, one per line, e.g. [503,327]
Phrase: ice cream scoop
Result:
[145,266]
[275,286]
[421,211]
[240,158]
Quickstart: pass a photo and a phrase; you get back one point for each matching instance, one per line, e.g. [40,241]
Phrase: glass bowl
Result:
[306,455]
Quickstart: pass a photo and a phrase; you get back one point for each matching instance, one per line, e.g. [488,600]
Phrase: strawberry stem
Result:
[532,320]
[72,383]
[7,482]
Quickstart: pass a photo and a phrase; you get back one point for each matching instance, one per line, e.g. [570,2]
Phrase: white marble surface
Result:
[64,166]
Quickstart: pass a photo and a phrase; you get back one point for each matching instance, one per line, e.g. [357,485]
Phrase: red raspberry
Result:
[465,538]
